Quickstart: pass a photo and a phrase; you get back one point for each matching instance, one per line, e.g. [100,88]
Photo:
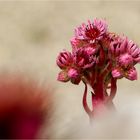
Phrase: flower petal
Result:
[63,76]
[64,59]
[74,75]
[137,59]
[131,74]
[117,73]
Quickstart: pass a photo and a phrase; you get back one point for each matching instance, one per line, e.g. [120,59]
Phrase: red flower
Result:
[98,58]
[64,59]
[83,58]
[92,30]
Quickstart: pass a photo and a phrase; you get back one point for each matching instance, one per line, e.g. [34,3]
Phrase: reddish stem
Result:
[98,88]
[99,95]
[112,90]
[85,105]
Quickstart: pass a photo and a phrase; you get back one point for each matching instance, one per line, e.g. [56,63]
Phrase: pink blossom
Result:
[115,44]
[101,25]
[125,52]
[71,74]
[90,50]
[74,75]
[83,59]
[63,76]
[117,73]
[125,60]
[131,74]
[92,30]
[99,58]
[64,59]
[76,43]
[134,50]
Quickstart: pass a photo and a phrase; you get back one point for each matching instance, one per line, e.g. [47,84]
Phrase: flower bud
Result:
[83,59]
[116,73]
[131,74]
[63,76]
[74,75]
[64,59]
[125,60]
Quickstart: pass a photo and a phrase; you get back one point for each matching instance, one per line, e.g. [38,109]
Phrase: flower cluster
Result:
[98,58]
[126,54]
[86,48]
[75,63]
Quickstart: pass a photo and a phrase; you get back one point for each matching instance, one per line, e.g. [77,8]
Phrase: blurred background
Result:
[32,33]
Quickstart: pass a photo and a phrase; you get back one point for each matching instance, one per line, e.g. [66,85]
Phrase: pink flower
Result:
[71,74]
[74,75]
[131,74]
[64,59]
[76,43]
[90,50]
[115,45]
[125,52]
[92,30]
[63,76]
[117,73]
[134,50]
[130,48]
[101,25]
[99,58]
[83,59]
[125,60]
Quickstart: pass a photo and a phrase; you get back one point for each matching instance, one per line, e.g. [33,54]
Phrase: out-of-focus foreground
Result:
[31,36]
